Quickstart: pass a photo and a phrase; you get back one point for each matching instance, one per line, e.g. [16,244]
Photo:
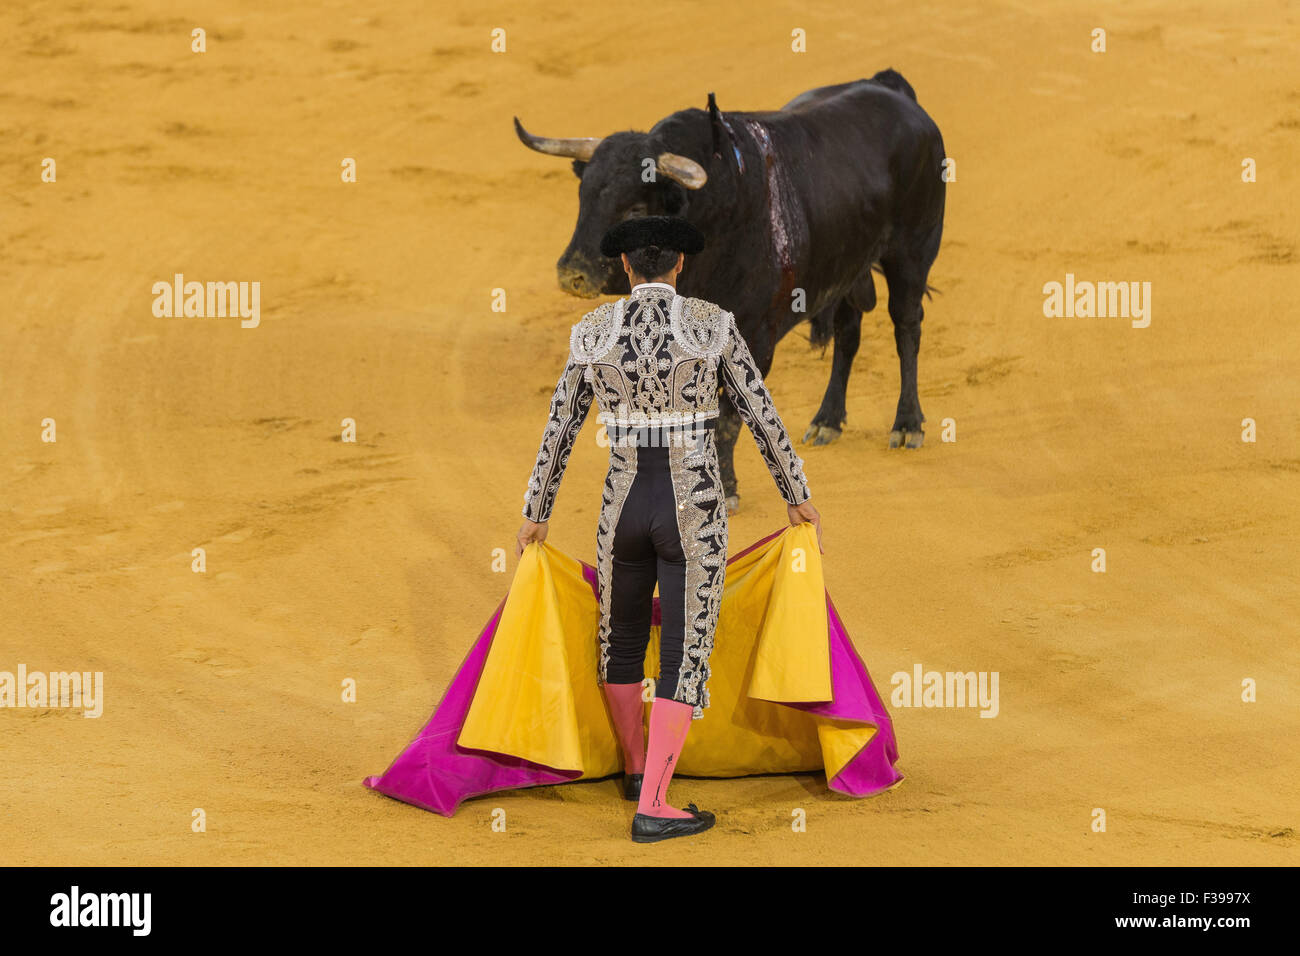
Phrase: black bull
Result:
[797,206]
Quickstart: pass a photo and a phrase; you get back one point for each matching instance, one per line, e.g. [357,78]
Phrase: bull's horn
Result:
[580,148]
[682,170]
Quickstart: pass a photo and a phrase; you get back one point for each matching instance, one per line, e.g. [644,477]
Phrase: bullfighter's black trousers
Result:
[647,548]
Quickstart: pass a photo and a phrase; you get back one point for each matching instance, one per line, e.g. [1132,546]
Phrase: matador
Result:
[654,362]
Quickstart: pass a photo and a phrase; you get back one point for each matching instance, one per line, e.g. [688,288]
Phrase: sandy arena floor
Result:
[371,561]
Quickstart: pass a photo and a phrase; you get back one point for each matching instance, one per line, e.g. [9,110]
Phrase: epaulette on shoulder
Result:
[595,334]
[701,327]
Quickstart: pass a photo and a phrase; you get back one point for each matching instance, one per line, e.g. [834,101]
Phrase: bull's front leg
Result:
[829,421]
[725,437]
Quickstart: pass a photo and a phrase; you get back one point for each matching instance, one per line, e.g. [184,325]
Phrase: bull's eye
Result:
[635,212]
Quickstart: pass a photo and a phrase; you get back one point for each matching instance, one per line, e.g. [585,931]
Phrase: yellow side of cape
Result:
[538,697]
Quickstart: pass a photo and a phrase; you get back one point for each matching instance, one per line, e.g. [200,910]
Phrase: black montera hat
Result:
[666,232]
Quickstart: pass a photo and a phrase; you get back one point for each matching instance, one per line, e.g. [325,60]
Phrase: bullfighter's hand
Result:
[529,532]
[806,512]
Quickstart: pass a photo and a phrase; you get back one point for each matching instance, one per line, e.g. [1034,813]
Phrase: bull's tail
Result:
[894,80]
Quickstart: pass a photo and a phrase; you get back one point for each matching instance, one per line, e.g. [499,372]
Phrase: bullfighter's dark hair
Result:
[651,262]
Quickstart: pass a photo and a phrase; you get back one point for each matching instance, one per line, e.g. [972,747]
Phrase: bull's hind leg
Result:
[907,284]
[827,423]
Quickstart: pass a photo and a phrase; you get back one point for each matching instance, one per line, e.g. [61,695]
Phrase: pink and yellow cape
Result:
[788,691]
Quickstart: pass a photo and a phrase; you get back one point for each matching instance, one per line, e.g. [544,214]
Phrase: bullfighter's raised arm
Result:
[743,383]
[569,407]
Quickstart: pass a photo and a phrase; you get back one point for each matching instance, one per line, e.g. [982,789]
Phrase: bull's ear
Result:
[578,167]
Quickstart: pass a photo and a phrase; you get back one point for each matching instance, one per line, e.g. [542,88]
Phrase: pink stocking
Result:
[628,711]
[670,721]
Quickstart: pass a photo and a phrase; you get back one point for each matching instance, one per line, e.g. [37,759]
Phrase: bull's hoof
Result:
[900,438]
[733,504]
[821,434]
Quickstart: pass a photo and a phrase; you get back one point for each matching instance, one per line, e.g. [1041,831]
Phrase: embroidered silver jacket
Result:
[658,358]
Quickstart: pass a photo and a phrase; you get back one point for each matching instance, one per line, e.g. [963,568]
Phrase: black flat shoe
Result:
[647,829]
[632,786]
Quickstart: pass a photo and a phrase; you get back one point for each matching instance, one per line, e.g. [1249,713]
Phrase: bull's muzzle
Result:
[579,276]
